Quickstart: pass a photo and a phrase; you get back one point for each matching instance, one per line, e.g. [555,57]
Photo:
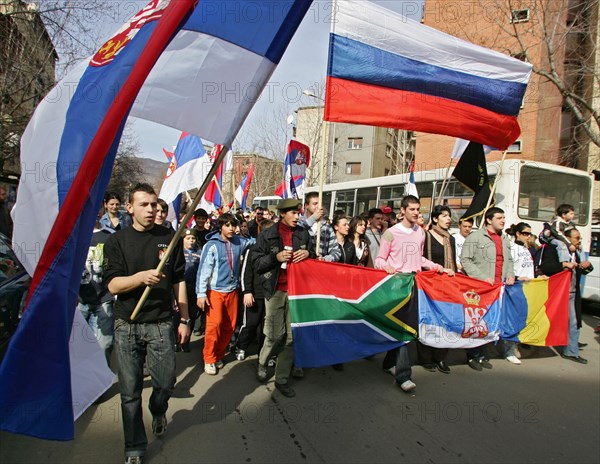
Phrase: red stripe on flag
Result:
[94,158]
[358,103]
[343,280]
[557,308]
[435,285]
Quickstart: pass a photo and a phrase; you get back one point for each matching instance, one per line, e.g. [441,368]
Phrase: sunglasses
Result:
[526,234]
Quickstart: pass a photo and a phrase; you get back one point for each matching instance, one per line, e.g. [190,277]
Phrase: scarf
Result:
[449,262]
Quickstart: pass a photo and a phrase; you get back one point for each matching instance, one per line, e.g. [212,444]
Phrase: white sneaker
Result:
[517,352]
[210,369]
[408,386]
[513,360]
[240,355]
[220,364]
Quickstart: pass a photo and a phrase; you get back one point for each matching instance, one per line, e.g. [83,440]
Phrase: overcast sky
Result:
[303,66]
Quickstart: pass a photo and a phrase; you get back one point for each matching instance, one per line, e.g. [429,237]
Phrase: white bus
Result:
[527,191]
[266,202]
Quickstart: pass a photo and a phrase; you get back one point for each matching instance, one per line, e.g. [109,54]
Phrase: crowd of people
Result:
[227,281]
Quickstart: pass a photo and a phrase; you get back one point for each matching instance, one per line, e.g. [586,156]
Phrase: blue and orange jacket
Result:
[217,270]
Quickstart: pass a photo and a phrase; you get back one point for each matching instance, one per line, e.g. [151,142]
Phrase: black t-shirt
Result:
[93,287]
[129,251]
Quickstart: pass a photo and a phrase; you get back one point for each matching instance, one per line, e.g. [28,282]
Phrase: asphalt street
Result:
[545,410]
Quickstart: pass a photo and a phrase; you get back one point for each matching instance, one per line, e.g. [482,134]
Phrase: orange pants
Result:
[221,317]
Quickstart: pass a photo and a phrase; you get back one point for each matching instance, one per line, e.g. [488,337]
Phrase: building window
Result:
[515,147]
[352,168]
[388,151]
[520,16]
[355,143]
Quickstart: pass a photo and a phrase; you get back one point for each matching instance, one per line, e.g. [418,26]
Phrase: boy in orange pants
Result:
[216,288]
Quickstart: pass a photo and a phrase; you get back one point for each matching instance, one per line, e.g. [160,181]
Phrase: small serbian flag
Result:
[296,162]
[390,71]
[241,194]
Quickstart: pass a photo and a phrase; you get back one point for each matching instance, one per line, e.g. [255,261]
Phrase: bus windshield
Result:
[541,191]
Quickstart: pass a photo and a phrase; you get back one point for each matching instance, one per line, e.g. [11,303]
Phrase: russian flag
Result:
[390,71]
[241,194]
[67,154]
[187,170]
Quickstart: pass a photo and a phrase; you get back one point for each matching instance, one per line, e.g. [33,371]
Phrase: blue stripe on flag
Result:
[189,148]
[268,26]
[93,97]
[359,62]
[336,342]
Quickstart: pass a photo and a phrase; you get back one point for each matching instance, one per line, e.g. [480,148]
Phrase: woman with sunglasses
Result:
[524,270]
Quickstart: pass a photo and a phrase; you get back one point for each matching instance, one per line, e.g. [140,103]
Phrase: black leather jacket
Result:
[268,244]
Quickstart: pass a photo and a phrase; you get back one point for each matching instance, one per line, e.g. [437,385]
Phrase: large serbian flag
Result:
[340,312]
[390,71]
[458,311]
[173,49]
[536,312]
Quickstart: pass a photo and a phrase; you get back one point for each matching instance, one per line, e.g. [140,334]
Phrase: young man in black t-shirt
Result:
[132,255]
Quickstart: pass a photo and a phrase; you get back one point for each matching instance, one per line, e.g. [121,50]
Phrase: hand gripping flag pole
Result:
[182,226]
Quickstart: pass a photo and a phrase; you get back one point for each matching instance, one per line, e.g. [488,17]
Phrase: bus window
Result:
[541,191]
[391,196]
[425,191]
[344,200]
[366,199]
[327,202]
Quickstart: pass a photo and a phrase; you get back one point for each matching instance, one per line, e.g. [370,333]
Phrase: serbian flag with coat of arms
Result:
[340,313]
[158,67]
[458,311]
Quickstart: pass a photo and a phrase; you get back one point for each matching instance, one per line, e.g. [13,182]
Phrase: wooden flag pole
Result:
[445,183]
[492,191]
[182,226]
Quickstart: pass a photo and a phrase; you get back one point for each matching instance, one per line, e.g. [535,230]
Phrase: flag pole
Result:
[493,190]
[178,234]
[445,183]
[322,160]
[220,191]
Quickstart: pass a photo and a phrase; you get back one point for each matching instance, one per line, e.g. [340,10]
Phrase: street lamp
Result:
[308,93]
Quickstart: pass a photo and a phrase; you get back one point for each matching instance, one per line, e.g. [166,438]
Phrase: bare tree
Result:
[558,37]
[34,36]
[127,170]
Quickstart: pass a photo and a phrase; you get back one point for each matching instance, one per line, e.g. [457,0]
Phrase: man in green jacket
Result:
[486,256]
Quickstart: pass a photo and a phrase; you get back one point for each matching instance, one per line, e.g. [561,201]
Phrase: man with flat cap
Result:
[278,247]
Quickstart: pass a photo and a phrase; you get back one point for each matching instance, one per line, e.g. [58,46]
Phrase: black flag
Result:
[471,171]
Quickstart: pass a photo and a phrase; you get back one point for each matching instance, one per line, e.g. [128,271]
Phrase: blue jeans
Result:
[572,348]
[100,319]
[135,343]
[403,369]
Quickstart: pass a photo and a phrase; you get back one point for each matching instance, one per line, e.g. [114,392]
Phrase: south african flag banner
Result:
[340,312]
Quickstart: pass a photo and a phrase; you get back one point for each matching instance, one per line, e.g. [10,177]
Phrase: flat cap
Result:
[288,204]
